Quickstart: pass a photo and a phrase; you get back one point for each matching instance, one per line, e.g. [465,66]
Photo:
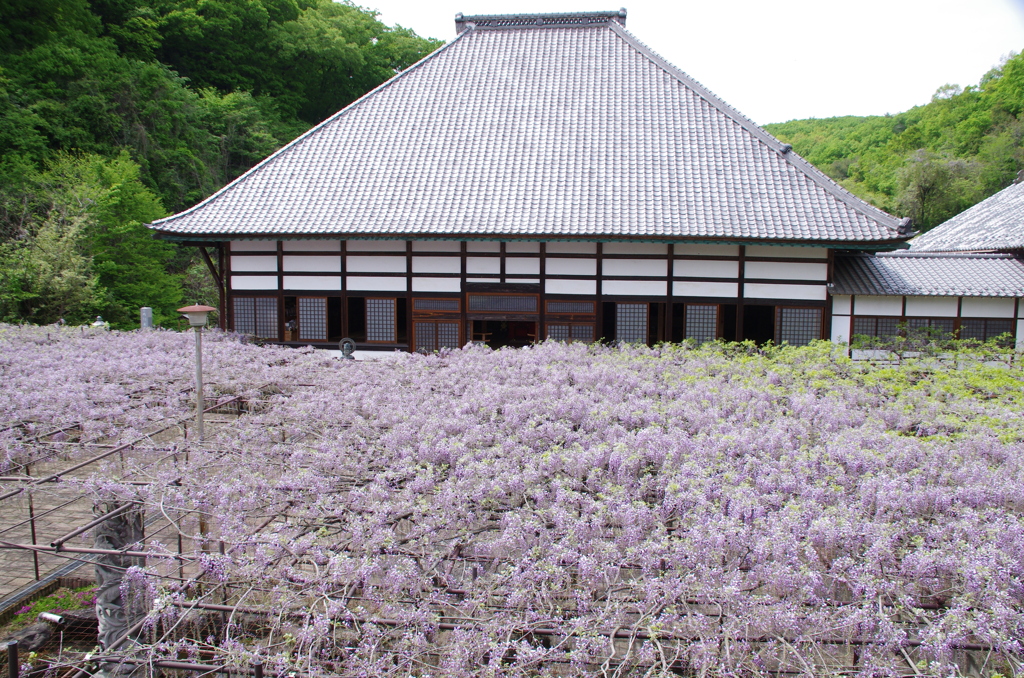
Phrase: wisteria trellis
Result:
[574,509]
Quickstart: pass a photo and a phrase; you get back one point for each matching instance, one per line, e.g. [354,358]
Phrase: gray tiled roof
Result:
[544,131]
[952,274]
[996,223]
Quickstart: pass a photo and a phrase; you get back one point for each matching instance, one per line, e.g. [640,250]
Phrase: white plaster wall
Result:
[841,325]
[254,245]
[639,268]
[312,282]
[635,248]
[519,247]
[522,265]
[524,281]
[436,246]
[253,263]
[483,246]
[867,305]
[653,288]
[708,250]
[436,265]
[375,245]
[363,283]
[682,288]
[705,268]
[375,264]
[571,248]
[483,265]
[787,252]
[436,285]
[1020,335]
[311,245]
[982,307]
[484,280]
[932,307]
[842,304]
[254,282]
[313,263]
[588,287]
[774,270]
[556,266]
[774,291]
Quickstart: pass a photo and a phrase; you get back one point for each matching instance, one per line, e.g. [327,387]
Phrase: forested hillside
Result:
[932,161]
[114,113]
[117,112]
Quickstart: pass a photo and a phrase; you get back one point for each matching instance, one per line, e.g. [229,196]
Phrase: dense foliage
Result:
[933,161]
[573,509]
[170,97]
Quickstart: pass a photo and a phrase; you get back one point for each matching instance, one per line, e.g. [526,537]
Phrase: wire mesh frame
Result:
[312,315]
[381,320]
[798,326]
[700,322]
[256,316]
[631,322]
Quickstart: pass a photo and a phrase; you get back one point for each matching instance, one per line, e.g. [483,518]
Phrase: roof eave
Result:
[202,239]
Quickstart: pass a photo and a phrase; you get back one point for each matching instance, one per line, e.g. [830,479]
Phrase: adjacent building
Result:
[543,176]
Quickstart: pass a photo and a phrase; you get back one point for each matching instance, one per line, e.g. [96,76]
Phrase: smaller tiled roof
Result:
[994,224]
[924,274]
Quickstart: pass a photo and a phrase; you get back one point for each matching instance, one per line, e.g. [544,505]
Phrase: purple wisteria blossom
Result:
[566,509]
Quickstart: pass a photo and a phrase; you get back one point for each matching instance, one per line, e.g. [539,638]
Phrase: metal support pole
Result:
[199,384]
[12,659]
[257,670]
[32,525]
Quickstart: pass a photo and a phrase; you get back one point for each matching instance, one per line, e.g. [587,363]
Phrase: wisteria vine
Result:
[582,510]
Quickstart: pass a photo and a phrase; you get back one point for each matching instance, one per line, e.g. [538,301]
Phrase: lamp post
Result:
[197,319]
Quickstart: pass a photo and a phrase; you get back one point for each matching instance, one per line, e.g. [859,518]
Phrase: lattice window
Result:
[245,315]
[503,303]
[430,336]
[571,332]
[380,320]
[701,322]
[435,305]
[448,335]
[584,333]
[578,307]
[930,328]
[797,326]
[266,317]
[558,332]
[425,336]
[983,329]
[876,327]
[256,316]
[312,318]
[631,323]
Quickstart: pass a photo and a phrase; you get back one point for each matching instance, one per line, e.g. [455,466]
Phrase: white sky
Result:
[785,59]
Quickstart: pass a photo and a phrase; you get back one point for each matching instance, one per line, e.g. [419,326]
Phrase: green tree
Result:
[49,276]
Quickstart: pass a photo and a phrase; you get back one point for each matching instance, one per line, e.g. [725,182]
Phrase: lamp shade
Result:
[196,314]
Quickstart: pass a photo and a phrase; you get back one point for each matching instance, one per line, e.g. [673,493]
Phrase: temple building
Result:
[545,176]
